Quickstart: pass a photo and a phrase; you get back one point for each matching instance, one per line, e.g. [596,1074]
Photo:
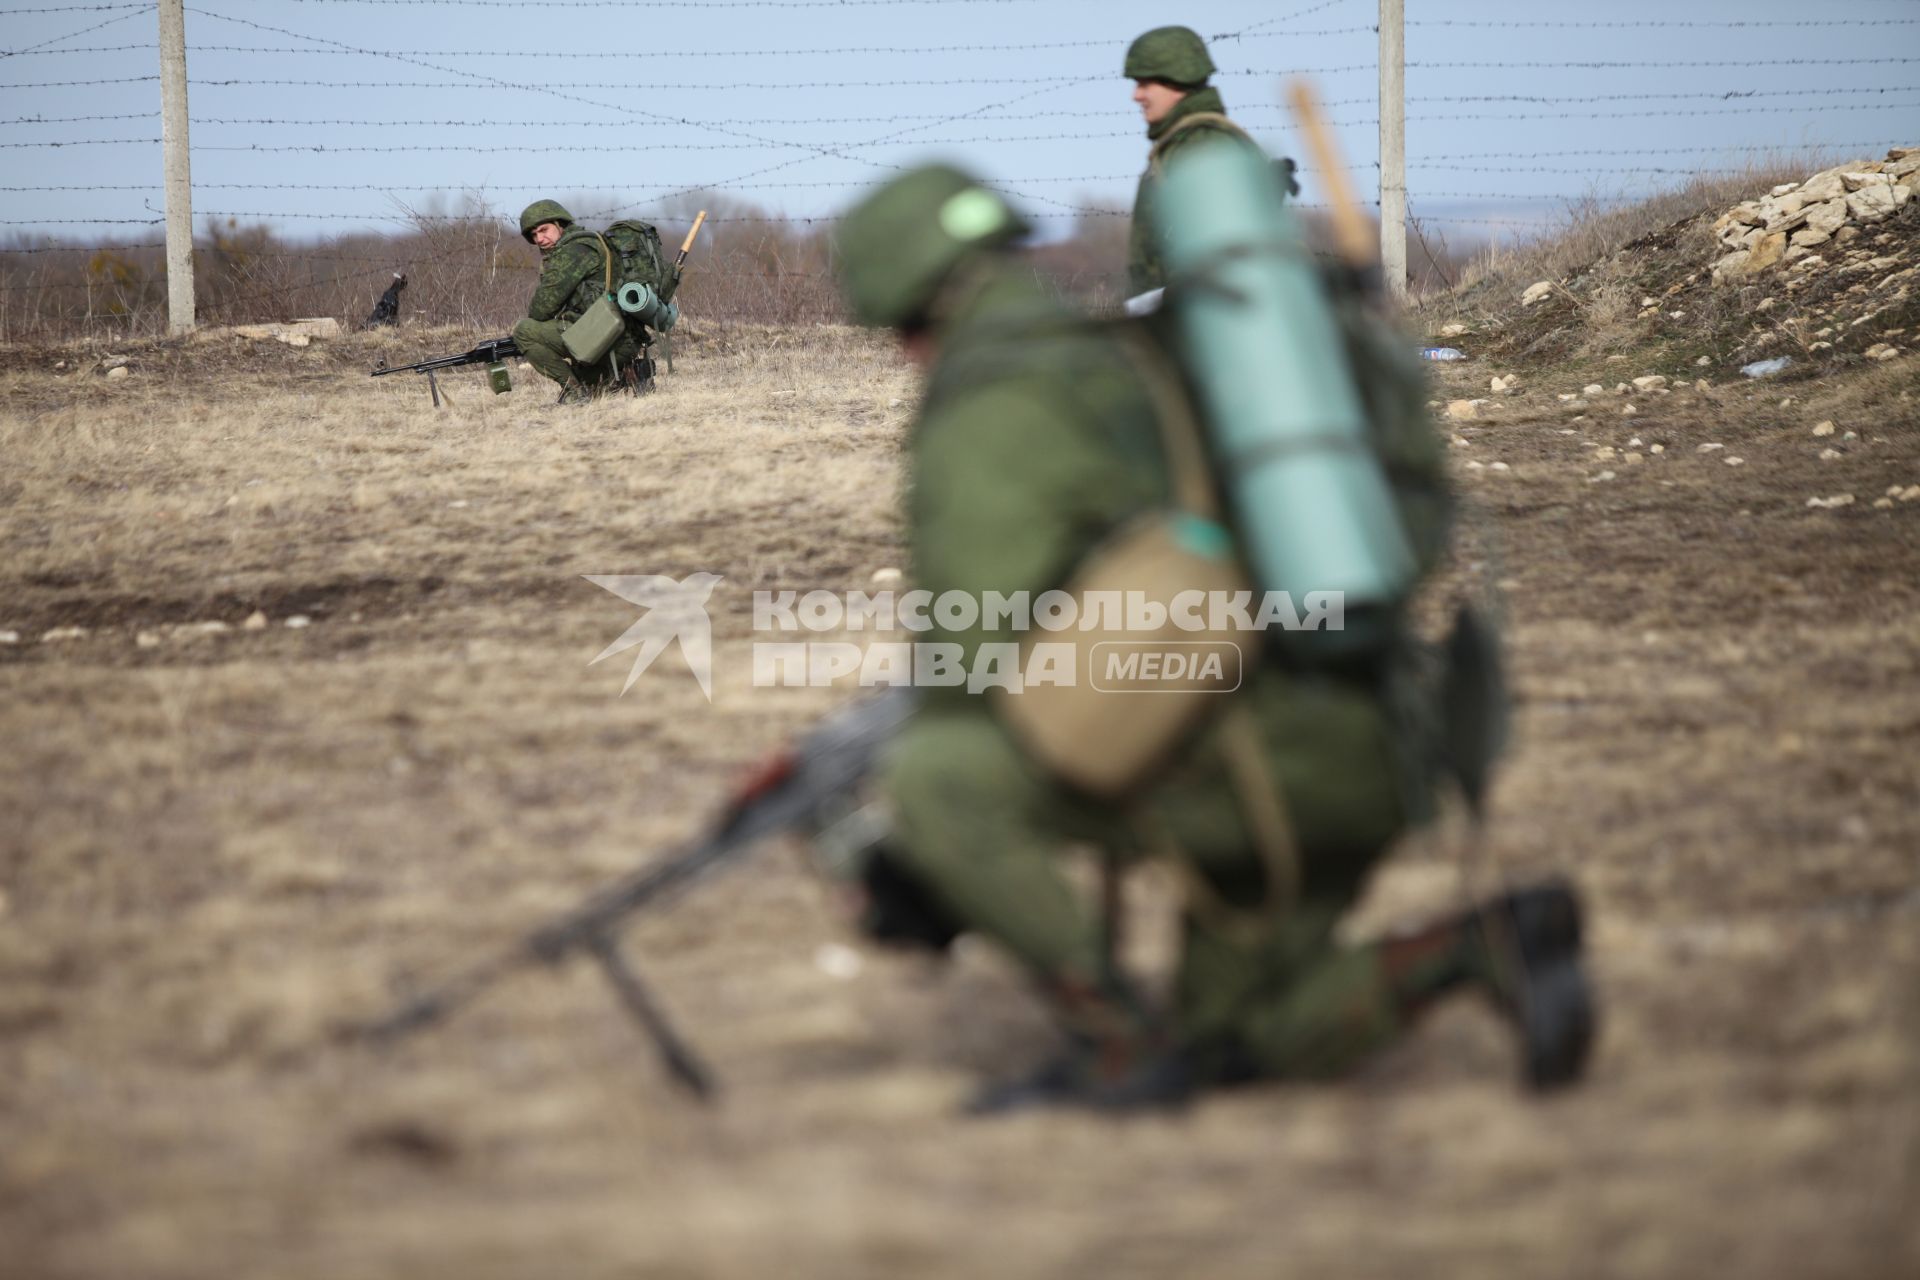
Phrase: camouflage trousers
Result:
[541,346]
[1259,992]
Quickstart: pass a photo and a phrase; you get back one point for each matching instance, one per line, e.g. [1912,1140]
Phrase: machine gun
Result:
[493,353]
[804,789]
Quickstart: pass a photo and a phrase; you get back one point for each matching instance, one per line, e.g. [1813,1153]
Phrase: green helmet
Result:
[1175,54]
[543,211]
[900,243]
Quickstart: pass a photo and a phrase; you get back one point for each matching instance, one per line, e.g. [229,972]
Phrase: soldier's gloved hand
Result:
[898,911]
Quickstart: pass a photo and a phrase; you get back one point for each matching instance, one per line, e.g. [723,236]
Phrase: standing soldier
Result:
[1040,435]
[1169,68]
[573,274]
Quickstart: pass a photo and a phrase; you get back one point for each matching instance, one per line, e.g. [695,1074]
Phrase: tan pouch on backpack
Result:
[1137,694]
[589,338]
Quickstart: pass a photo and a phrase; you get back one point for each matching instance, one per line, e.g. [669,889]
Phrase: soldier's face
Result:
[1156,98]
[546,235]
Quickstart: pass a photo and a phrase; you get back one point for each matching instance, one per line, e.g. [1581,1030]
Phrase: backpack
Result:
[638,255]
[1393,387]
[1109,745]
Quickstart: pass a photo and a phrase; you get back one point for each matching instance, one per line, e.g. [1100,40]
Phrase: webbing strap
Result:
[606,253]
[1262,806]
[1180,431]
[1213,118]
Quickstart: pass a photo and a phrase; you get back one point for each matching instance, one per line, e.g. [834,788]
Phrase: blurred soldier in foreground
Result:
[1169,67]
[573,276]
[1040,436]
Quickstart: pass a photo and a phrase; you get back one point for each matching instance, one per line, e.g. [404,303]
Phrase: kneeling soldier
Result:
[1039,436]
[573,272]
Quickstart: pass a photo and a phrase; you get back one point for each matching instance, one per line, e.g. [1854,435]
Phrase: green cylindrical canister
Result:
[1285,421]
[637,300]
[497,377]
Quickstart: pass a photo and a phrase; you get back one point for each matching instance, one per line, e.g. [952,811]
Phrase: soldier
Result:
[573,267]
[1169,68]
[1036,439]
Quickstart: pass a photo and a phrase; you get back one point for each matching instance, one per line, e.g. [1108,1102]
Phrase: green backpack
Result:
[638,255]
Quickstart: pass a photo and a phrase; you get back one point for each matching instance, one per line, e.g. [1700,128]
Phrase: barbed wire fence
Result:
[98,266]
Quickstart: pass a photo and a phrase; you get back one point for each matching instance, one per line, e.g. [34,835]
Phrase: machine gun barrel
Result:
[493,349]
[494,352]
[795,790]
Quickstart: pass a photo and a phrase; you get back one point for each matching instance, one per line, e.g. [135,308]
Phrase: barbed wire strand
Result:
[1244,32]
[1449,162]
[1104,113]
[161,244]
[42,46]
[682,54]
[497,148]
[1661,66]
[1612,115]
[1479,196]
[909,50]
[1353,122]
[802,219]
[340,50]
[662,4]
[1756,151]
[1730,24]
[657,85]
[76,84]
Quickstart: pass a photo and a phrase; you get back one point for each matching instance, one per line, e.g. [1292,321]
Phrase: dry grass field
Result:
[218,845]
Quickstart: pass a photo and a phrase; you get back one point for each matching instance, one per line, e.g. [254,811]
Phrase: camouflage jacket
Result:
[1033,442]
[573,274]
[1168,136]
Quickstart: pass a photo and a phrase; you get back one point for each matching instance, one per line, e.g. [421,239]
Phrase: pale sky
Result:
[798,105]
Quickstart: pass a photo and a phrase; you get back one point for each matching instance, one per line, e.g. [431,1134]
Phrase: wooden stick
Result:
[686,245]
[1352,233]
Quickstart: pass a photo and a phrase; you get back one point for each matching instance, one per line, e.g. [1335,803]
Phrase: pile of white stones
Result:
[1794,219]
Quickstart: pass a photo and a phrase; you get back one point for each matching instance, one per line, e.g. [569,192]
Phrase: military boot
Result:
[576,392]
[637,376]
[1539,984]
[1116,1059]
[1523,951]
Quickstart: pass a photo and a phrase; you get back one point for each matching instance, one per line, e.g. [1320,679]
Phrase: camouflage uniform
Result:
[1177,56]
[573,275]
[1035,440]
